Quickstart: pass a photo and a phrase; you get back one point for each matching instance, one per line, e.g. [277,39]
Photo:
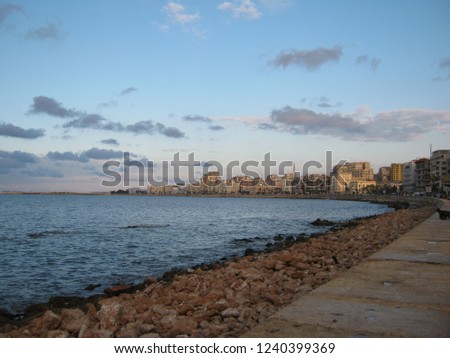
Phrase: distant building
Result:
[440,170]
[359,170]
[314,184]
[212,183]
[351,177]
[409,176]
[396,173]
[360,186]
[423,182]
[383,175]
[340,182]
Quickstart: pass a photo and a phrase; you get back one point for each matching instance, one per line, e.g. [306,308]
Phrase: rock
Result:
[170,275]
[183,325]
[131,330]
[91,287]
[35,309]
[66,302]
[146,328]
[6,314]
[150,280]
[109,314]
[49,321]
[150,335]
[399,205]
[322,222]
[58,334]
[249,252]
[74,319]
[230,312]
[118,289]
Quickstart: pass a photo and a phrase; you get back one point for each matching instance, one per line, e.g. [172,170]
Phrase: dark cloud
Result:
[309,59]
[372,62]
[48,32]
[216,127]
[10,130]
[67,156]
[8,9]
[111,141]
[141,127]
[14,160]
[83,157]
[197,119]
[128,91]
[398,125]
[50,106]
[103,154]
[171,132]
[43,172]
[47,105]
[88,121]
[149,127]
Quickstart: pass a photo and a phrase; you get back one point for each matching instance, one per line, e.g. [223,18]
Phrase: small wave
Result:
[45,233]
[145,226]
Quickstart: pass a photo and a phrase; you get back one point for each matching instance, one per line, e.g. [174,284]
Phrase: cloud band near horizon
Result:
[397,125]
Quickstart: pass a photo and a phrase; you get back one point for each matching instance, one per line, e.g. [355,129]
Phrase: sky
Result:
[82,82]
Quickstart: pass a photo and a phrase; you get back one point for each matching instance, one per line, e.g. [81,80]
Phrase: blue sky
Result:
[84,81]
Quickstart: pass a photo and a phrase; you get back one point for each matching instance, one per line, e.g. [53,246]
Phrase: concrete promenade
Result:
[400,291]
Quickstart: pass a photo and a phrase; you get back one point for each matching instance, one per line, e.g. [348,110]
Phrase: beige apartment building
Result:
[352,178]
[440,170]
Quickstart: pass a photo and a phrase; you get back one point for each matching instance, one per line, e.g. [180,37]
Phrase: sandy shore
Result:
[224,300]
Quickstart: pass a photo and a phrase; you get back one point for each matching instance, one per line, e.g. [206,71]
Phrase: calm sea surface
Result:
[55,245]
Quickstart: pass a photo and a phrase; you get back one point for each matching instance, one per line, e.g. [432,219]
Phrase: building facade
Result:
[409,176]
[423,183]
[440,170]
[396,173]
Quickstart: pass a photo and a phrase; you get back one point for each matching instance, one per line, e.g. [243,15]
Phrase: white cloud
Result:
[177,14]
[241,9]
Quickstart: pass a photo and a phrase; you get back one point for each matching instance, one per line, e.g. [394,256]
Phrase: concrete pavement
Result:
[401,291]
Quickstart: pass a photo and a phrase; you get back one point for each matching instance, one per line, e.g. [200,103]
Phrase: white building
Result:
[409,176]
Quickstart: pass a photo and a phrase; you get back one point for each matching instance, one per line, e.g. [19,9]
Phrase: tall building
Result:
[383,176]
[423,183]
[409,176]
[396,173]
[440,169]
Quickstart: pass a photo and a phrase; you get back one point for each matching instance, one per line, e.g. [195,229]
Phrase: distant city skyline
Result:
[84,82]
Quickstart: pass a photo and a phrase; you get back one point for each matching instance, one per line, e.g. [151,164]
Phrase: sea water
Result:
[57,245]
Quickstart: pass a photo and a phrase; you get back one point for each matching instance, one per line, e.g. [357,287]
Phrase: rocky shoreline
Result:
[218,300]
